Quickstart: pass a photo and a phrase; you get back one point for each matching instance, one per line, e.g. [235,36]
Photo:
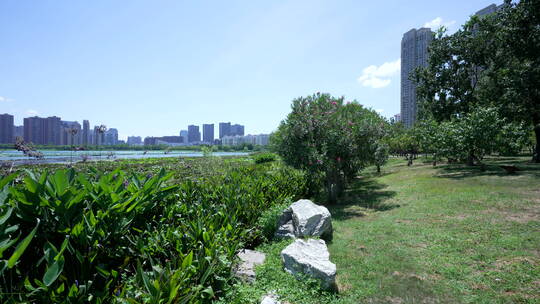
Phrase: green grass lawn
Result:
[424,234]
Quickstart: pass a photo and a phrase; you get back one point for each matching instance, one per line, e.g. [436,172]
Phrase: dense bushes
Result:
[68,236]
[330,140]
[266,157]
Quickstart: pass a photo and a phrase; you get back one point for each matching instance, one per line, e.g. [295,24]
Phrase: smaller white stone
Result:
[248,260]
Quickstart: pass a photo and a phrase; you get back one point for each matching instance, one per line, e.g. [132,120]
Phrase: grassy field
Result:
[423,234]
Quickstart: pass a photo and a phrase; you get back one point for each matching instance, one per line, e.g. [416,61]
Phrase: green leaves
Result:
[53,271]
[95,230]
[21,247]
[328,138]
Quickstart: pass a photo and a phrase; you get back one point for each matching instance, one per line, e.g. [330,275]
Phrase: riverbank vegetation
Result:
[137,234]
[125,147]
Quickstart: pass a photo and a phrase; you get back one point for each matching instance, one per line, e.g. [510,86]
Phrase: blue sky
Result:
[153,67]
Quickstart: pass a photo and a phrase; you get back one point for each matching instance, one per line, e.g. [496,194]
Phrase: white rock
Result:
[248,260]
[305,219]
[310,257]
[270,299]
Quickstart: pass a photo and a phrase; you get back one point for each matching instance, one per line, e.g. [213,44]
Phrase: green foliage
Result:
[329,139]
[471,136]
[131,238]
[266,157]
[491,62]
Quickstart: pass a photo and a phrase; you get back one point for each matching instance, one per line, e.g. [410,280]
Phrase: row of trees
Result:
[466,138]
[480,92]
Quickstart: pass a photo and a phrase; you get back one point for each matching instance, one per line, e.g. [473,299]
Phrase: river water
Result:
[52,157]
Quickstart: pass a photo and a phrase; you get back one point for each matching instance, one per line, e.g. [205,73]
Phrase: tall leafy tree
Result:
[492,61]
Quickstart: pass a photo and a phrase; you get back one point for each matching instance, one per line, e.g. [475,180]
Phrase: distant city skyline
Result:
[54,130]
[199,63]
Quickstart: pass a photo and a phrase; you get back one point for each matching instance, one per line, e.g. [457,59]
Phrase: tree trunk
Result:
[536,149]
[378,169]
[334,185]
[470,159]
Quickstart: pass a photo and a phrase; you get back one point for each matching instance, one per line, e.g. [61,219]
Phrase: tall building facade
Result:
[86,132]
[194,135]
[6,129]
[224,129]
[490,9]
[53,130]
[18,131]
[134,140]
[98,137]
[208,133]
[237,130]
[43,131]
[414,54]
[32,128]
[71,133]
[184,135]
[111,137]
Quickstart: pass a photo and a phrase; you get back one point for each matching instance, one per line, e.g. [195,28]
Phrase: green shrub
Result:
[264,158]
[329,139]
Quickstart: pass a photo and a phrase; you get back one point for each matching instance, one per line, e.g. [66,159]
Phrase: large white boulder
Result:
[305,219]
[310,257]
[248,260]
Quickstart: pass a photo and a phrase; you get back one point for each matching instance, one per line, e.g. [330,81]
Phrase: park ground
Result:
[424,234]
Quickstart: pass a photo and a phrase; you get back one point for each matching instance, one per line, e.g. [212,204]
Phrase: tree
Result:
[381,155]
[513,70]
[491,62]
[329,139]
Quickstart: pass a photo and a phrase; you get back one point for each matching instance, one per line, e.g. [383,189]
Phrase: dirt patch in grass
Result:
[503,264]
[522,216]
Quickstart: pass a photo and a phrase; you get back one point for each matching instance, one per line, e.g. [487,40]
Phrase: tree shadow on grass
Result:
[491,168]
[363,193]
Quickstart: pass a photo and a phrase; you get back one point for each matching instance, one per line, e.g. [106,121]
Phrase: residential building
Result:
[111,137]
[6,129]
[98,136]
[490,9]
[33,130]
[194,135]
[414,54]
[18,131]
[164,140]
[71,133]
[237,130]
[184,135]
[224,129]
[261,139]
[150,141]
[53,130]
[86,133]
[134,140]
[208,133]
[43,131]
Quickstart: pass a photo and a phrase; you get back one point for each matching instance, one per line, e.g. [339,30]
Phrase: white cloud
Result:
[32,112]
[5,99]
[438,22]
[379,110]
[379,76]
